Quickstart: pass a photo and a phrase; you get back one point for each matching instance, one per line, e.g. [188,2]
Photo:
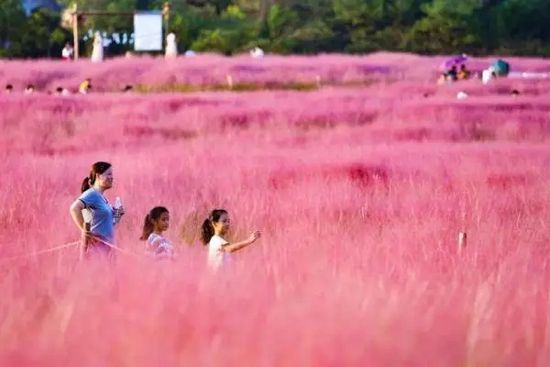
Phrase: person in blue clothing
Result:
[92,213]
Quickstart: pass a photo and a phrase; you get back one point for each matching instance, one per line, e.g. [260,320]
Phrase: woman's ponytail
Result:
[98,168]
[85,184]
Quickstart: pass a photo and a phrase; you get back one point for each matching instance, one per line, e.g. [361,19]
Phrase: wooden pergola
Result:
[76,14]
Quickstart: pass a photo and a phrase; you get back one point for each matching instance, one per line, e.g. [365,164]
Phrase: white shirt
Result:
[159,245]
[67,53]
[486,76]
[216,255]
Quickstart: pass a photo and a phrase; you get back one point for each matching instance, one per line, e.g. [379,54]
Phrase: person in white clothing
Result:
[214,229]
[29,89]
[67,52]
[97,50]
[487,75]
[257,53]
[171,46]
[156,222]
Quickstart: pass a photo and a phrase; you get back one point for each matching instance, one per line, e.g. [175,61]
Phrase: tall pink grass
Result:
[360,195]
[209,69]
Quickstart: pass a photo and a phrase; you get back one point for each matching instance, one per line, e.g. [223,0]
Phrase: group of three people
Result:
[97,219]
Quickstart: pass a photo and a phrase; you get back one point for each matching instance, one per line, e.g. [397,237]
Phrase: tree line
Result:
[514,27]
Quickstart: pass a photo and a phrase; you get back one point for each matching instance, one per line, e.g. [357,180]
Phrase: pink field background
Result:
[359,189]
[211,69]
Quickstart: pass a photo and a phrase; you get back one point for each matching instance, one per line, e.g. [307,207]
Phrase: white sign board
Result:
[148,31]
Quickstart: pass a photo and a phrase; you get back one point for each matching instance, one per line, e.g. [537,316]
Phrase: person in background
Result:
[60,91]
[487,75]
[463,73]
[452,74]
[85,86]
[67,52]
[29,89]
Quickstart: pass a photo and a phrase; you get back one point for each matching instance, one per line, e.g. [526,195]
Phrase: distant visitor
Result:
[171,46]
[67,52]
[85,86]
[257,53]
[97,51]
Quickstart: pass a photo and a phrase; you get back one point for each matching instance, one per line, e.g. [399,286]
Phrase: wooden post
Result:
[462,241]
[166,13]
[265,6]
[75,32]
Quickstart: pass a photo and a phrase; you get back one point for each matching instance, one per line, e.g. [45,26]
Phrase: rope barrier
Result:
[67,245]
[121,250]
[41,252]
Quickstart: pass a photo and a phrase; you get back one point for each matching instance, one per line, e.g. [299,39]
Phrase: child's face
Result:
[163,222]
[222,225]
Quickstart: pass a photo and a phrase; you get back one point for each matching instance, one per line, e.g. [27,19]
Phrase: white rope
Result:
[64,246]
[125,252]
[41,252]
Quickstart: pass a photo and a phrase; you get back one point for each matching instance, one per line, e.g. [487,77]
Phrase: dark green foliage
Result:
[38,35]
[304,26]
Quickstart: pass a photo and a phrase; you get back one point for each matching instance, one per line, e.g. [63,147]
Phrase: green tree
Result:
[301,26]
[448,26]
[233,33]
[38,35]
[524,26]
[12,21]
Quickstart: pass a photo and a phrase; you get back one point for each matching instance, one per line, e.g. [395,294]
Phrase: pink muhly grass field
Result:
[211,70]
[360,194]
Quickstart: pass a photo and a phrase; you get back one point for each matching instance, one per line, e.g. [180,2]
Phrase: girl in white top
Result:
[156,222]
[214,229]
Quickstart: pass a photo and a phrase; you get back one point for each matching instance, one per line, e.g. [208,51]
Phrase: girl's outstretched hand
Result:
[254,236]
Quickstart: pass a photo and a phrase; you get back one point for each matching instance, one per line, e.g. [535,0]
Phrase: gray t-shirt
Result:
[100,214]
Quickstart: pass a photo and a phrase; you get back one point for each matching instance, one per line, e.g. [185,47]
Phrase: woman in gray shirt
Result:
[92,208]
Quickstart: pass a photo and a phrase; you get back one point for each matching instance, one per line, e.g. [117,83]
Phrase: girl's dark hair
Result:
[207,229]
[149,222]
[97,169]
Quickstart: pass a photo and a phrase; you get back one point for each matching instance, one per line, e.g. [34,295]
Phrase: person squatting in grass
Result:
[156,222]
[213,230]
[92,207]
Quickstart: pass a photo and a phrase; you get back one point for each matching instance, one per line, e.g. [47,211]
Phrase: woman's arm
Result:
[232,247]
[76,214]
